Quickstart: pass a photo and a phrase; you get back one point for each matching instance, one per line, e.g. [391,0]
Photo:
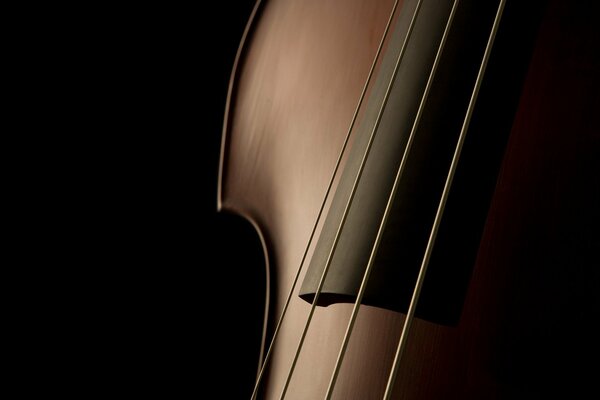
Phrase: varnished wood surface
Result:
[528,322]
[295,92]
[296,89]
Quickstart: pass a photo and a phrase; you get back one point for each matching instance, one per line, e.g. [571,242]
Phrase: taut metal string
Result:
[349,201]
[440,210]
[389,203]
[327,193]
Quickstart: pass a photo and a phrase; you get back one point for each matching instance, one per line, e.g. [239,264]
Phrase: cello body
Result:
[526,324]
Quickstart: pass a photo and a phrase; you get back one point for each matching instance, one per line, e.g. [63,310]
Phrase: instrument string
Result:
[349,202]
[326,196]
[388,206]
[442,203]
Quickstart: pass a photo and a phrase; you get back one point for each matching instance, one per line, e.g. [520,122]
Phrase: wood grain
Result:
[534,292]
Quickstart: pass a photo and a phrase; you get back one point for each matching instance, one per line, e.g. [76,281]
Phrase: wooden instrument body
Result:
[528,316]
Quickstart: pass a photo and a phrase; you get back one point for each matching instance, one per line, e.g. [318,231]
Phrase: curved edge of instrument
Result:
[267,302]
[224,140]
[232,80]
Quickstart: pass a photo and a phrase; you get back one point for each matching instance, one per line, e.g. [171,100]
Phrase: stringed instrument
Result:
[423,177]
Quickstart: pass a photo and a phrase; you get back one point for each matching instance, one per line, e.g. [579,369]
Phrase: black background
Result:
[166,294]
[206,269]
